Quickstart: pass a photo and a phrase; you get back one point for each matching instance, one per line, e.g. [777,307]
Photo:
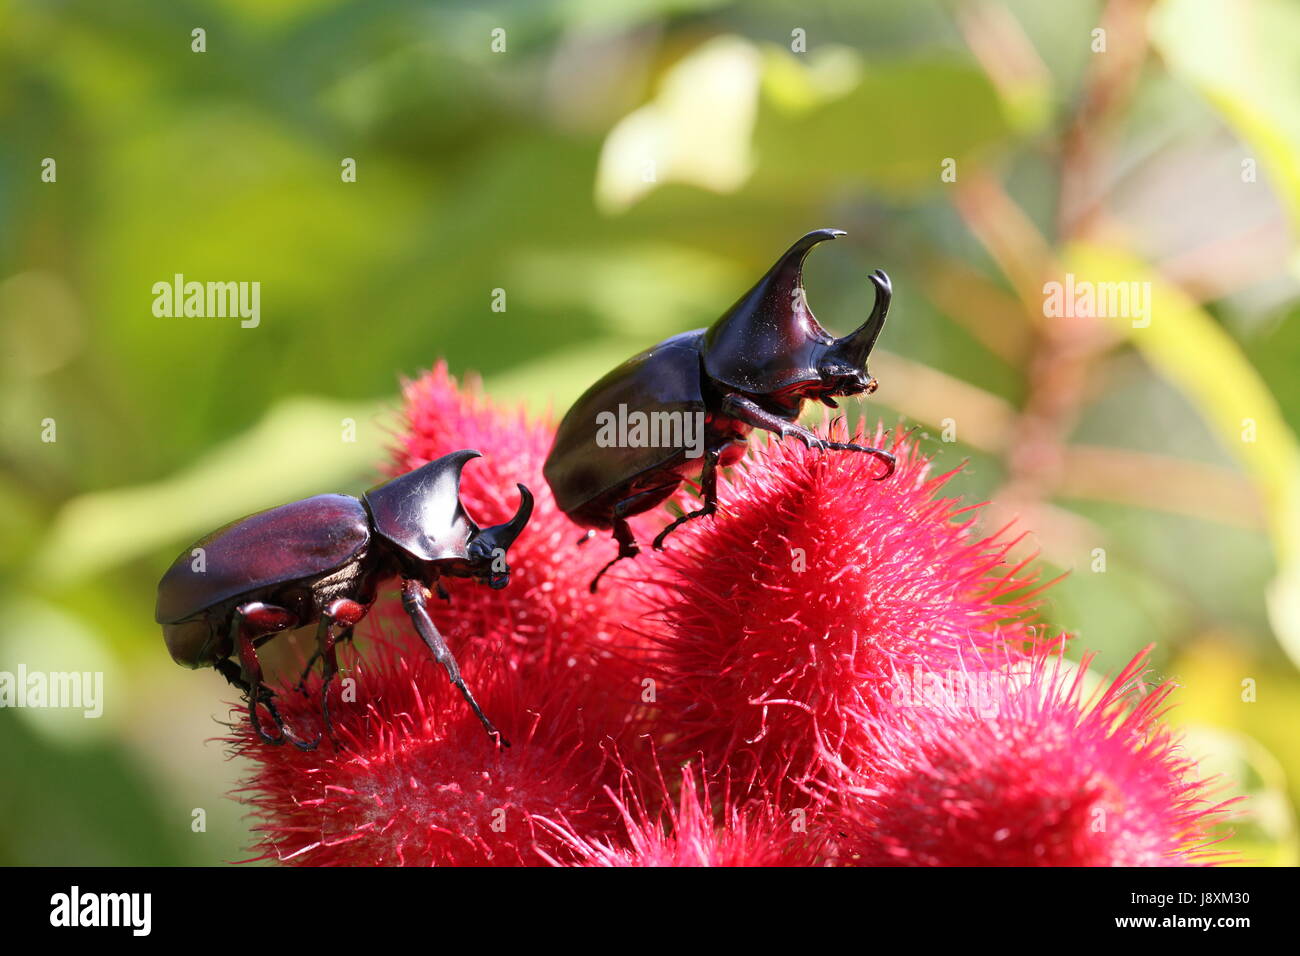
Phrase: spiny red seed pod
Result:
[416,781]
[812,584]
[687,834]
[546,623]
[1016,767]
[775,634]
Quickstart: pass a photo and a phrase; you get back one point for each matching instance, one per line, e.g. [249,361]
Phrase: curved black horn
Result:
[858,345]
[503,535]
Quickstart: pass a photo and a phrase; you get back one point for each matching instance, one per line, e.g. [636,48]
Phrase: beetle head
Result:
[487,549]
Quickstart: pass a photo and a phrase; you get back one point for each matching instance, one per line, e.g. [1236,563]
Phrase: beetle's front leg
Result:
[413,592]
[708,489]
[246,622]
[746,410]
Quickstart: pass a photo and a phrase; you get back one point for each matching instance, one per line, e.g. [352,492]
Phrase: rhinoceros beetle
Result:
[321,560]
[753,368]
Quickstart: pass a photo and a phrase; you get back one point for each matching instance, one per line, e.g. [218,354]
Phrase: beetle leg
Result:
[251,678]
[413,601]
[248,622]
[325,641]
[342,614]
[748,411]
[231,672]
[328,670]
[627,546]
[302,681]
[882,456]
[441,590]
[709,490]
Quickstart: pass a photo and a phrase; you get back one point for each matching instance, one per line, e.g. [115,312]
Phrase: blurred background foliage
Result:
[623,170]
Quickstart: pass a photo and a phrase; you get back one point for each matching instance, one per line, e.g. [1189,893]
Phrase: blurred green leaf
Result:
[297,450]
[1190,349]
[1264,826]
[1242,58]
[891,132]
[697,129]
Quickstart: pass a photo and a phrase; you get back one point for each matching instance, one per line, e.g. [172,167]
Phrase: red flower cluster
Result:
[833,670]
[1019,768]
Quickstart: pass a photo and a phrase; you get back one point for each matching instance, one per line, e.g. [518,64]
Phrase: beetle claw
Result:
[623,553]
[594,586]
[704,512]
[884,457]
[306,747]
[887,459]
[265,698]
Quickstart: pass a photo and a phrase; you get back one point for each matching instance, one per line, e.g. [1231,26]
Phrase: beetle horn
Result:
[777,289]
[856,346]
[769,338]
[503,535]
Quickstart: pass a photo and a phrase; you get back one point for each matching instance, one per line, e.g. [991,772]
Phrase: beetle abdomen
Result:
[647,412]
[295,541]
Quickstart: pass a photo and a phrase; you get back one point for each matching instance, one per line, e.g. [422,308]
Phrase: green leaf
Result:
[1184,343]
[892,131]
[1243,60]
[697,129]
[299,449]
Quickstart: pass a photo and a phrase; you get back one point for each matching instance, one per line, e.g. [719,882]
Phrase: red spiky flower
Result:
[688,834]
[416,782]
[769,640]
[1017,767]
[547,622]
[779,617]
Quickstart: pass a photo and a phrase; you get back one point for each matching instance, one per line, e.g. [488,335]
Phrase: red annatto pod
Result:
[688,404]
[690,833]
[321,560]
[1020,766]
